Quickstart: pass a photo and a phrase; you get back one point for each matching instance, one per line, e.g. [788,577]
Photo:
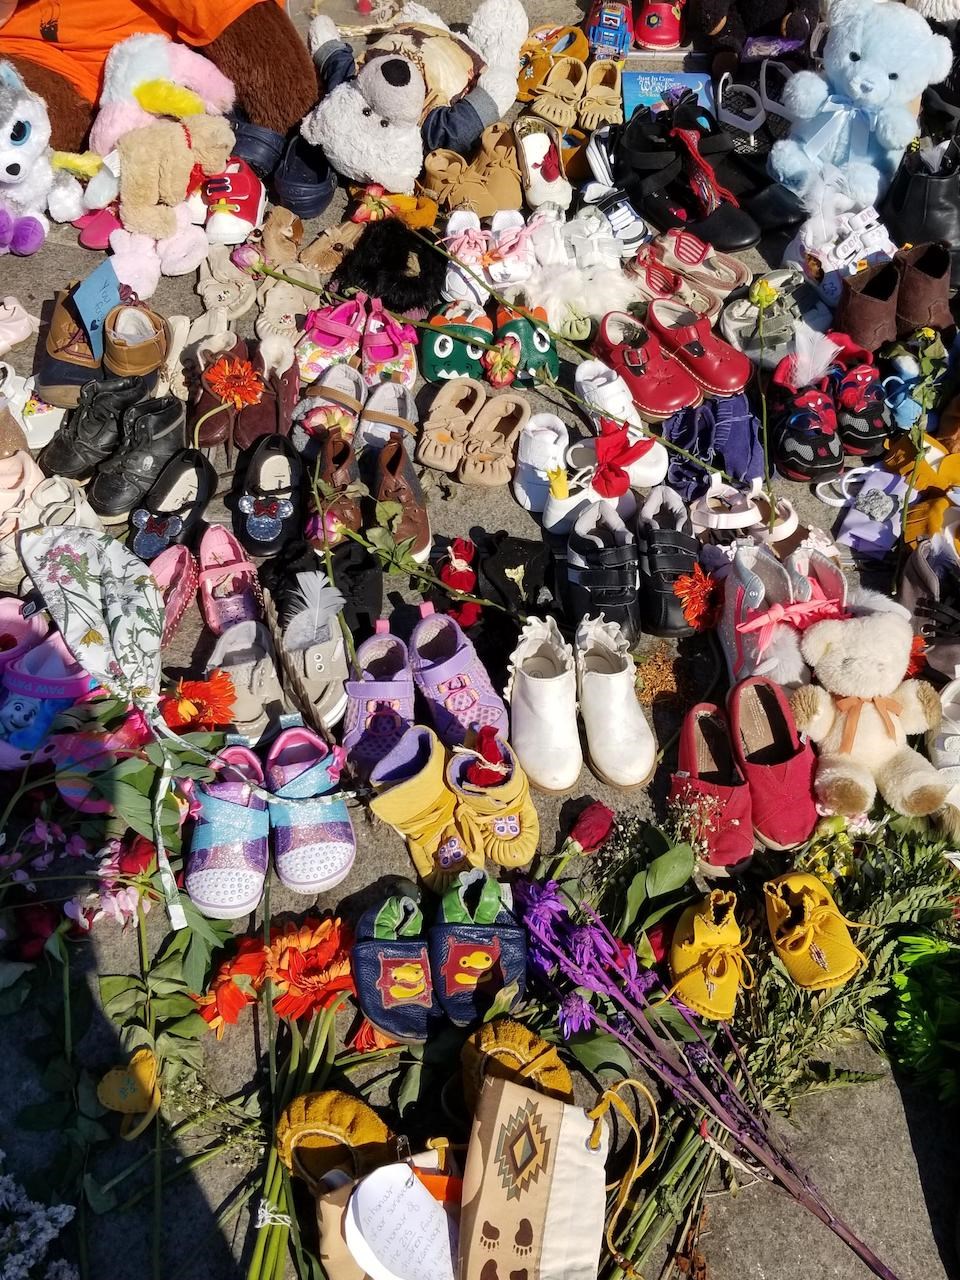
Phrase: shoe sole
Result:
[213,912]
[621,786]
[121,518]
[318,886]
[63,395]
[554,791]
[773,846]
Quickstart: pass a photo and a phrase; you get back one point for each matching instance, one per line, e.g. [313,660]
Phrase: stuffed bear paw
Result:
[65,201]
[135,262]
[895,129]
[930,703]
[791,165]
[805,704]
[862,182]
[804,95]
[323,30]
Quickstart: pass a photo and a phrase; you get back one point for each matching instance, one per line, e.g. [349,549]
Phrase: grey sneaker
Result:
[245,652]
[304,619]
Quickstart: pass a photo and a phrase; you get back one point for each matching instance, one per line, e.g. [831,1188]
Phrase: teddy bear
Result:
[853,122]
[861,713]
[719,26]
[419,87]
[30,187]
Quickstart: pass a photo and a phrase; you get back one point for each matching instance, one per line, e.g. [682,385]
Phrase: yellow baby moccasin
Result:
[707,961]
[809,934]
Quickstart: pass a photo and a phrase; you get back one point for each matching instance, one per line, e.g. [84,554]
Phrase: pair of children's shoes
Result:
[811,938]
[455,810]
[347,330]
[409,978]
[470,435]
[313,840]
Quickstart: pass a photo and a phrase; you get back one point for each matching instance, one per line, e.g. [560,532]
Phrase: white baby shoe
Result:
[621,749]
[540,450]
[542,694]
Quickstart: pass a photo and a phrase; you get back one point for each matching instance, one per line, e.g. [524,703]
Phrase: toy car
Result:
[610,28]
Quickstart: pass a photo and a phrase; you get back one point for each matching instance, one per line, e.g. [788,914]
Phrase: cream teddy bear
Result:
[861,713]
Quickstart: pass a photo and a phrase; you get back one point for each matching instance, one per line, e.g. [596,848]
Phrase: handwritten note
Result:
[397,1231]
[94,299]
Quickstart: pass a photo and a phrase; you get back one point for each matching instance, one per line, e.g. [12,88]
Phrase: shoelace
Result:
[638,1163]
[799,615]
[715,963]
[803,936]
[472,245]
[514,240]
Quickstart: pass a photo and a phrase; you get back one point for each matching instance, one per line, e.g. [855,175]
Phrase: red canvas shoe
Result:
[717,367]
[713,792]
[657,25]
[778,767]
[235,200]
[659,386]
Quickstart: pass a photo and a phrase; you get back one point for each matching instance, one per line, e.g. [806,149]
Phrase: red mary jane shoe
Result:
[716,366]
[659,386]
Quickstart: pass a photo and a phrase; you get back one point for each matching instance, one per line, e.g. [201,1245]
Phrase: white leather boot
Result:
[542,695]
[621,749]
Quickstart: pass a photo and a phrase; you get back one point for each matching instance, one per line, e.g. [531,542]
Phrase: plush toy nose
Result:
[13,170]
[396,71]
[864,86]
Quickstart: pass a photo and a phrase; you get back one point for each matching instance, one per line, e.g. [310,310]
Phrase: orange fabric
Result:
[86,31]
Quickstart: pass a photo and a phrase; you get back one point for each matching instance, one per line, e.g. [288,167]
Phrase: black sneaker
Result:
[667,550]
[602,570]
[151,433]
[91,434]
[806,445]
[863,419]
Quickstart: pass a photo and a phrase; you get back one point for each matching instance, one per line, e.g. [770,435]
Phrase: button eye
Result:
[854,57]
[20,132]
[367,111]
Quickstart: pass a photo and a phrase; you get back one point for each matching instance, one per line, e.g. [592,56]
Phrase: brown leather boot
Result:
[867,310]
[339,487]
[68,361]
[924,297]
[134,341]
[396,481]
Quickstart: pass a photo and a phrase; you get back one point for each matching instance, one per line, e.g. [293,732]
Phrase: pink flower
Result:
[247,258]
[82,916]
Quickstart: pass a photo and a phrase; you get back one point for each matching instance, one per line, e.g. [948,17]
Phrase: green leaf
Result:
[670,871]
[125,1005]
[599,1051]
[56,947]
[173,1006]
[155,754]
[636,896]
[190,1027]
[196,962]
[91,1130]
[43,1117]
[134,1036]
[214,932]
[90,1105]
[113,984]
[99,1200]
[183,1052]
[388,515]
[503,1001]
[409,1092]
[13,998]
[59,1076]
[11,971]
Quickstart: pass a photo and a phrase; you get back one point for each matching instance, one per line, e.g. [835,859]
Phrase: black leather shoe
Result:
[271,507]
[172,512]
[667,551]
[92,432]
[151,433]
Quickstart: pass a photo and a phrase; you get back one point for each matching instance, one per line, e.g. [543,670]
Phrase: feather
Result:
[309,609]
[815,354]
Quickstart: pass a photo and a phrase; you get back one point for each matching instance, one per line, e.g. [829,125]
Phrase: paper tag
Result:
[395,1230]
[94,299]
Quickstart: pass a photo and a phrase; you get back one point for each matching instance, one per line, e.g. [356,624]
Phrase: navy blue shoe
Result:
[261,148]
[303,181]
[476,948]
[391,968]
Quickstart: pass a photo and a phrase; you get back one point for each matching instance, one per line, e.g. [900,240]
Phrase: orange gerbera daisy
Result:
[309,965]
[204,703]
[235,985]
[368,1038]
[234,382]
[701,596]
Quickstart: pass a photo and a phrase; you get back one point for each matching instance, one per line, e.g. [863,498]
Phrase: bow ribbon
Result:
[850,708]
[614,454]
[843,117]
[801,614]
[266,507]
[157,525]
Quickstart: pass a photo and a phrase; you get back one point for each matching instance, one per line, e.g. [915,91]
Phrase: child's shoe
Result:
[621,749]
[452,679]
[442,833]
[809,934]
[804,424]
[707,961]
[229,850]
[489,783]
[542,691]
[331,335]
[540,450]
[756,625]
[863,418]
[236,200]
[379,699]
[391,966]
[712,793]
[476,948]
[18,634]
[388,352]
[471,246]
[313,841]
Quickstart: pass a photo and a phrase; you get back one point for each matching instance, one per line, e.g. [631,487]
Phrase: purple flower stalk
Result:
[575,1014]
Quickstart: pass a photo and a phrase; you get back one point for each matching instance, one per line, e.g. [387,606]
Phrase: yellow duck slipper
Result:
[809,934]
[707,962]
[508,1050]
[318,1132]
[132,1091]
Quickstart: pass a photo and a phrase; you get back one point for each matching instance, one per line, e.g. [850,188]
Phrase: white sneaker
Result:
[561,514]
[515,259]
[621,749]
[606,395]
[540,449]
[643,473]
[944,745]
[591,242]
[542,694]
[626,226]
[38,420]
[467,241]
[598,156]
[547,236]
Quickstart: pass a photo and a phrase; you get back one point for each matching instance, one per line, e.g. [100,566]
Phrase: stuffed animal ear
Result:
[818,639]
[10,76]
[941,59]
[843,10]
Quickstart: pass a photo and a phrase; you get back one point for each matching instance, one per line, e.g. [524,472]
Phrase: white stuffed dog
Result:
[419,87]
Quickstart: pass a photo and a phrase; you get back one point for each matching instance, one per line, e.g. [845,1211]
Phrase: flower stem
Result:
[157,1224]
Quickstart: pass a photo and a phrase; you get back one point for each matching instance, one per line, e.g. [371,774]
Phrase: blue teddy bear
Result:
[852,123]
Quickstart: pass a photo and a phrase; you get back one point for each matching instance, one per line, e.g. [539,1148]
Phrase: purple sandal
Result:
[379,699]
[453,680]
[230,847]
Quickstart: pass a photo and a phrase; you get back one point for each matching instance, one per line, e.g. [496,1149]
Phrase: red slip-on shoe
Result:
[713,792]
[778,767]
[659,386]
[657,25]
[717,367]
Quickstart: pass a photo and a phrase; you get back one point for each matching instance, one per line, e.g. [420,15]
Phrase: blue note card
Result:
[94,299]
